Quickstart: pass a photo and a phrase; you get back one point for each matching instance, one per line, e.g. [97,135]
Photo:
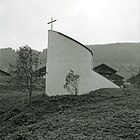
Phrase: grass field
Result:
[106,114]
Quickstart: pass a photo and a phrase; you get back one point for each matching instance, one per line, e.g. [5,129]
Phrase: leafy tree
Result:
[24,70]
[71,84]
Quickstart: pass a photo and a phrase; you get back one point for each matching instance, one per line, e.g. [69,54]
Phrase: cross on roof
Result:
[51,22]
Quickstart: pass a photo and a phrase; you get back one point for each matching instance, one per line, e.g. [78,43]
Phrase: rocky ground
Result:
[105,114]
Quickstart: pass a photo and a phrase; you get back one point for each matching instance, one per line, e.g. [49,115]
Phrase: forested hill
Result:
[7,56]
[124,57]
[116,53]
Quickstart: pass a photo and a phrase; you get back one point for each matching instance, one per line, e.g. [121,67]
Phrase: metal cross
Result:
[51,22]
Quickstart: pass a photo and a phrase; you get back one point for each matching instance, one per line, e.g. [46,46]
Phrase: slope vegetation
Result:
[106,114]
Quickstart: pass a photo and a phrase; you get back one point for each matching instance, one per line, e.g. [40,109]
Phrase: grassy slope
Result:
[106,114]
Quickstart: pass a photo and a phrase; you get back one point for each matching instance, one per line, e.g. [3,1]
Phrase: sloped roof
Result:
[5,73]
[135,79]
[41,71]
[103,68]
[116,76]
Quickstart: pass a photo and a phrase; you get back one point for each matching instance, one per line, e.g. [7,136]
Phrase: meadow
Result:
[105,114]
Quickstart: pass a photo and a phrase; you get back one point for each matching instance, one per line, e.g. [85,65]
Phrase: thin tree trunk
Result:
[30,97]
[31,106]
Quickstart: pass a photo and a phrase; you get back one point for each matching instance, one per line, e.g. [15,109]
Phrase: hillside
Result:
[106,114]
[124,57]
[43,57]
[116,53]
[7,56]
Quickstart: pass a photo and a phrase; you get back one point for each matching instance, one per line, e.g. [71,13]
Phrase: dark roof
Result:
[5,73]
[43,68]
[41,71]
[134,79]
[116,76]
[74,41]
[104,69]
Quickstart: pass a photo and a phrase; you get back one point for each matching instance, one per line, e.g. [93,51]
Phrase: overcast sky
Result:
[24,22]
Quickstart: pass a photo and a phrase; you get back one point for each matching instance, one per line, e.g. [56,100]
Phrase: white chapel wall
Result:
[65,54]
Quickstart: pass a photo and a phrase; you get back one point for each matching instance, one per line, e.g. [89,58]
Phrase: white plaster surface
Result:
[65,54]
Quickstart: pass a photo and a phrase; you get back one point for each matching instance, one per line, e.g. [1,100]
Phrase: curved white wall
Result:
[65,54]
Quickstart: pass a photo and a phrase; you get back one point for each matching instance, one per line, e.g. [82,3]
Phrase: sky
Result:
[24,22]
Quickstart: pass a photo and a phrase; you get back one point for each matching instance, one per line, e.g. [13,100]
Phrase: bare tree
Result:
[71,84]
[24,70]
